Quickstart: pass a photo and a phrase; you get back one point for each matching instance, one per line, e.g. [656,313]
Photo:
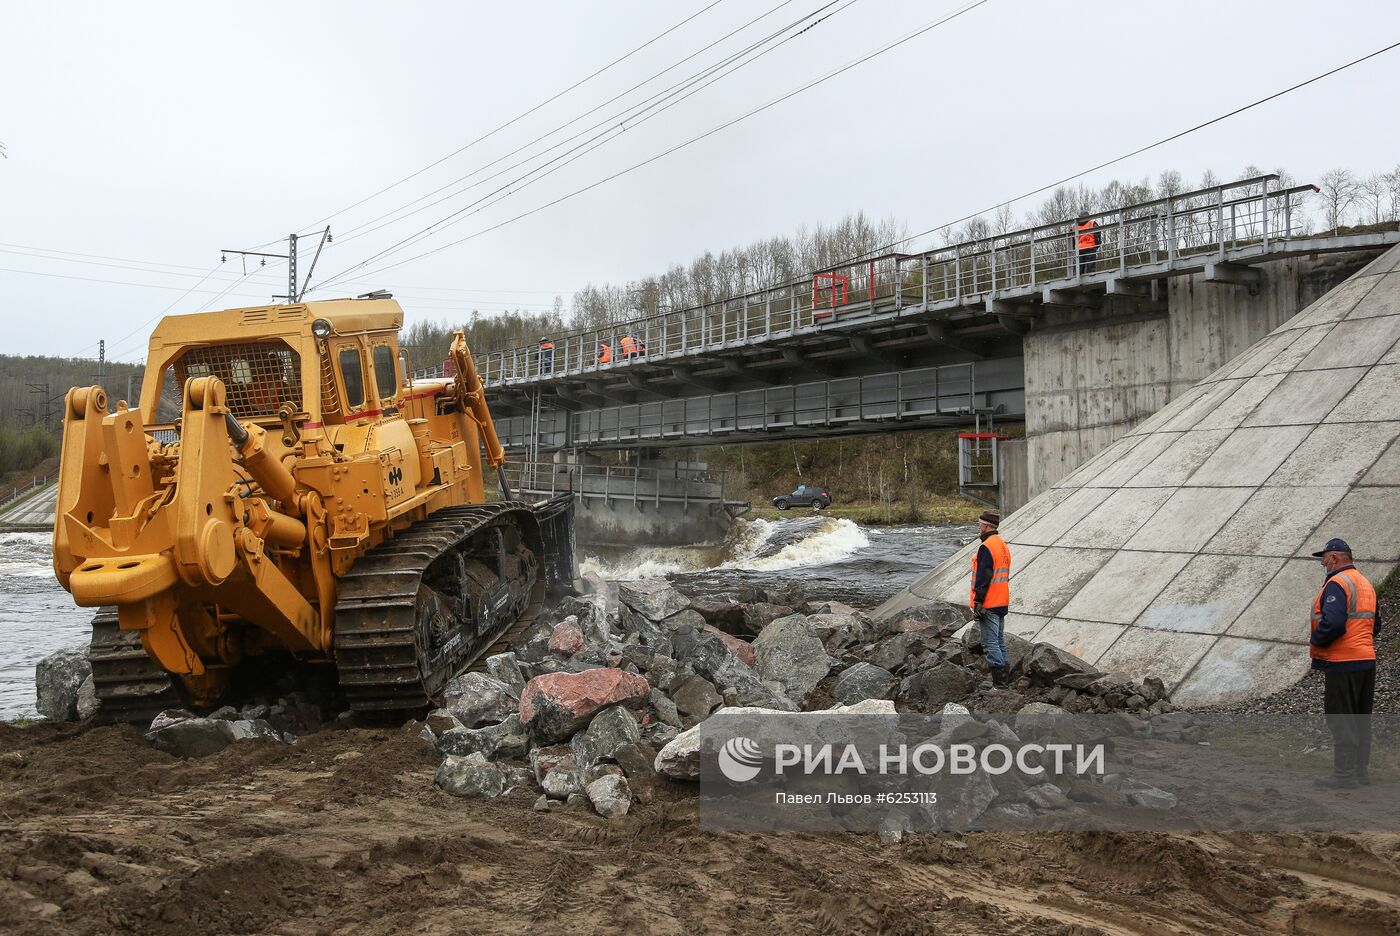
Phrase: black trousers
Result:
[1088,259]
[1347,699]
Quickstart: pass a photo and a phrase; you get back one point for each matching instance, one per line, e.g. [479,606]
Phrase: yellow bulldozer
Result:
[285,490]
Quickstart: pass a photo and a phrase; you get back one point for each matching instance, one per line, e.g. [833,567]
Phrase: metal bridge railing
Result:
[618,482]
[1169,232]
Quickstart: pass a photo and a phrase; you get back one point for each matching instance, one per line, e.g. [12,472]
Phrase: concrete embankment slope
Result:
[34,512]
[1182,550]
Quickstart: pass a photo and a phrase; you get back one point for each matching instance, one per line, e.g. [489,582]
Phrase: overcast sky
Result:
[148,136]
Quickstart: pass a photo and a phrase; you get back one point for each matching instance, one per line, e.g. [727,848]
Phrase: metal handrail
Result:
[1161,231]
[34,483]
[614,481]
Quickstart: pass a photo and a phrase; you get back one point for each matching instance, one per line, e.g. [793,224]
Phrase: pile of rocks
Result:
[605,691]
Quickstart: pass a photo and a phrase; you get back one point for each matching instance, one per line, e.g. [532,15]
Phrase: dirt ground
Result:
[345,832]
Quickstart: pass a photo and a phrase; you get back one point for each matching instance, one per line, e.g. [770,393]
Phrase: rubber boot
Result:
[1001,676]
[1343,769]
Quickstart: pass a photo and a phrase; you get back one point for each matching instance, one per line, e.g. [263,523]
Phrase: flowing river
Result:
[830,558]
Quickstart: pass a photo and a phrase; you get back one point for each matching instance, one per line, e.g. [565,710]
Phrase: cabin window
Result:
[385,379]
[352,373]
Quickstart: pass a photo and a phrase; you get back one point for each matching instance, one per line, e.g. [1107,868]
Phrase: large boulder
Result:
[760,614]
[473,776]
[712,659]
[864,681]
[679,758]
[788,653]
[478,699]
[556,705]
[1047,663]
[612,728]
[939,684]
[695,697]
[610,795]
[567,637]
[653,598]
[184,735]
[893,651]
[58,680]
[837,630]
[506,668]
[742,649]
[505,740]
[725,613]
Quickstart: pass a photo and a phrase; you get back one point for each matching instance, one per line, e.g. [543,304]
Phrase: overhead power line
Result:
[517,118]
[668,99]
[695,139]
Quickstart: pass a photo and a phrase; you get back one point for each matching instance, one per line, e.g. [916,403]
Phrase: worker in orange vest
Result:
[628,346]
[546,355]
[1345,619]
[1087,240]
[604,352]
[991,594]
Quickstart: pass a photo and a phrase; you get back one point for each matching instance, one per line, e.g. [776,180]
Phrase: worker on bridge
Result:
[631,347]
[546,355]
[604,352]
[1087,241]
[1345,619]
[991,594]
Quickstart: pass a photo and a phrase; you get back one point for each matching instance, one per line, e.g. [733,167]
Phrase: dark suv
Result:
[805,495]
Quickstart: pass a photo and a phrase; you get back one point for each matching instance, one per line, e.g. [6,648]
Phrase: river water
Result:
[830,558]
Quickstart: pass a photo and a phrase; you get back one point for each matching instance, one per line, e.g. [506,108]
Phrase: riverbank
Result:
[930,508]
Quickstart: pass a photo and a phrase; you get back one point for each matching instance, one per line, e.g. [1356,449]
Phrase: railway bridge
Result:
[1020,326]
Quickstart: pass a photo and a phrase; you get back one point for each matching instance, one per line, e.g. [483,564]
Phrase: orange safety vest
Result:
[605,353]
[1088,236]
[546,346]
[1358,643]
[999,591]
[629,345]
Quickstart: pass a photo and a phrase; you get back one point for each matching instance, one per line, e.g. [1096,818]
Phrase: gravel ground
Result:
[1305,696]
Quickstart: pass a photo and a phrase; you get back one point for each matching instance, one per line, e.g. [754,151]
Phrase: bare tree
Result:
[1339,193]
[1374,190]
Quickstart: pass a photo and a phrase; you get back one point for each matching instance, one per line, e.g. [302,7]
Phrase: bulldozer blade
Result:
[556,520]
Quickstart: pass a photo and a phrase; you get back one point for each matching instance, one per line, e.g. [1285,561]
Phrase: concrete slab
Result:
[1166,414]
[1124,587]
[1354,343]
[1021,557]
[1065,515]
[1240,404]
[1337,304]
[1287,359]
[1386,470]
[1386,262]
[1207,595]
[1142,653]
[1259,355]
[1249,456]
[1094,467]
[1207,402]
[1113,522]
[1189,518]
[1241,669]
[1032,511]
[1122,470]
[1025,626]
[1338,453]
[1085,639]
[1305,397]
[1280,611]
[944,579]
[1275,521]
[1383,300]
[1381,382]
[1045,585]
[1180,461]
[1392,356]
[1366,519]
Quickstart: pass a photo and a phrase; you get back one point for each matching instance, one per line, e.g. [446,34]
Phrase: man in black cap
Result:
[991,594]
[1345,619]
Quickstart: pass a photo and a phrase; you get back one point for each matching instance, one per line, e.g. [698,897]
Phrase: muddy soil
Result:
[345,832]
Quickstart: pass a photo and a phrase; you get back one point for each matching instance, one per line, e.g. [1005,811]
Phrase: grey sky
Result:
[161,133]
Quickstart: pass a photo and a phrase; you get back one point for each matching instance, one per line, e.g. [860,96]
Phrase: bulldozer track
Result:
[377,632]
[130,685]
